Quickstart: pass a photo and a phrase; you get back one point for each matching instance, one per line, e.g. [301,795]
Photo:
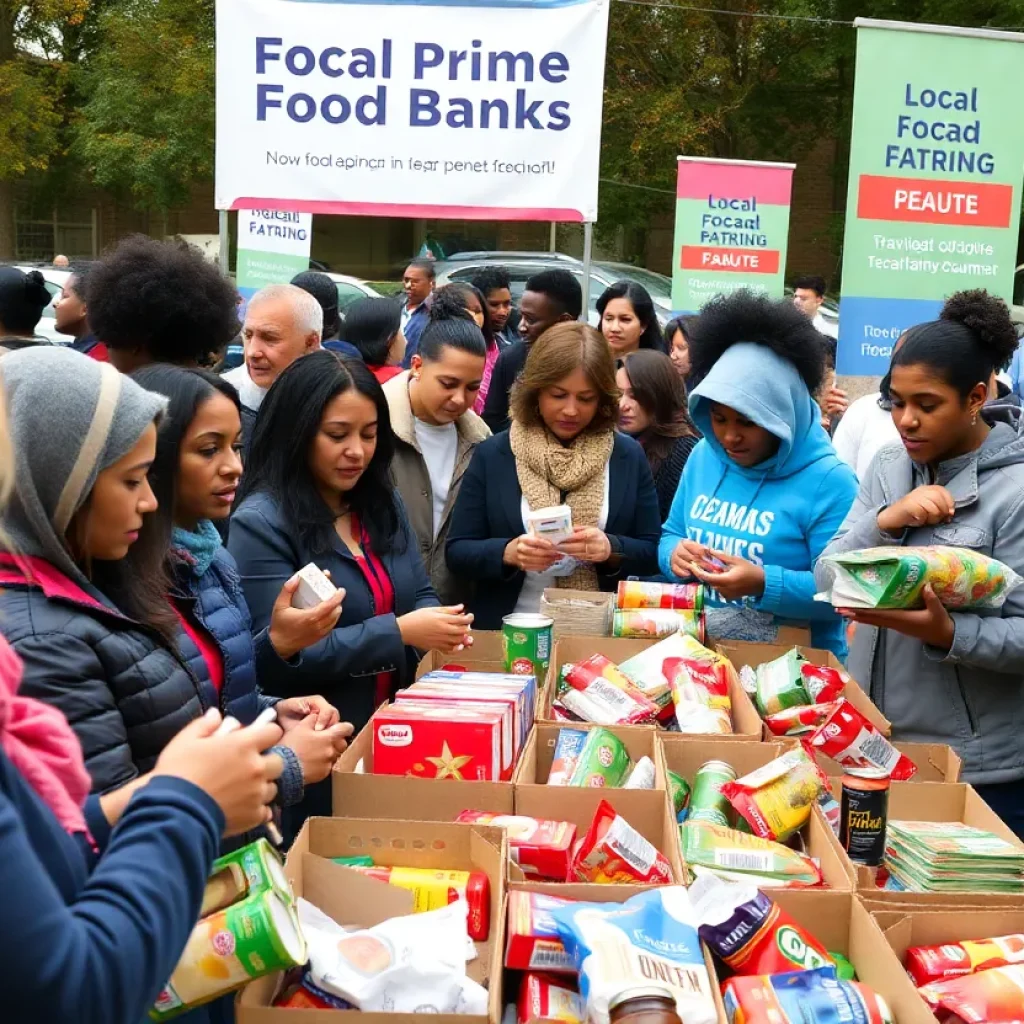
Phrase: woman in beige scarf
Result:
[562,449]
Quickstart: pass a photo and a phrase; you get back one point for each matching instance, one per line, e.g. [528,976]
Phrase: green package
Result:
[844,969]
[679,789]
[780,684]
[354,862]
[603,761]
[733,855]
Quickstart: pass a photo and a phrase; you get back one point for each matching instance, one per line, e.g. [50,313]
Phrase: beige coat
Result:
[409,471]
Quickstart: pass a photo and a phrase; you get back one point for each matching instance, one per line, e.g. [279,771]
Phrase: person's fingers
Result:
[269,792]
[286,593]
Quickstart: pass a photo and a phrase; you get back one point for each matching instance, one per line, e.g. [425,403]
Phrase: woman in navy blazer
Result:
[317,489]
[562,448]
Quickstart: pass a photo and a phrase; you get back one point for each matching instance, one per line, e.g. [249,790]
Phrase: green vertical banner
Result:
[273,246]
[732,228]
[936,162]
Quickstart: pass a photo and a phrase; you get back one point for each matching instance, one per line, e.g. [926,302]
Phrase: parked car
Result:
[350,289]
[54,283]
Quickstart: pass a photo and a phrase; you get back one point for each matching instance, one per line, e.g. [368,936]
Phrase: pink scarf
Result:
[485,382]
[42,746]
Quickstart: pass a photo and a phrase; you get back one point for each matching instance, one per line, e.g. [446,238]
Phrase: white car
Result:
[55,280]
[350,289]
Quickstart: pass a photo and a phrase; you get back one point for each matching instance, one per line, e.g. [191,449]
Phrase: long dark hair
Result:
[450,302]
[643,305]
[287,425]
[371,325]
[661,393]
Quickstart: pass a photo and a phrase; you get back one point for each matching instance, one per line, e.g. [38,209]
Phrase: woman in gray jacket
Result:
[957,479]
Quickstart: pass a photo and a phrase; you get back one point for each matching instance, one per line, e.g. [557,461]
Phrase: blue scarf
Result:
[200,548]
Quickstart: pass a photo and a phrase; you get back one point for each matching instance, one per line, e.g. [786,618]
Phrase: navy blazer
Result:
[343,667]
[487,515]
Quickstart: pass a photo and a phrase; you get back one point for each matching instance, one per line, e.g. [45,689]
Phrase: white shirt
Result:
[250,394]
[862,431]
[438,446]
[537,582]
[824,326]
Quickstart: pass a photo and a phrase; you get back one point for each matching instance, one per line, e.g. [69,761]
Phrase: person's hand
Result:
[835,402]
[294,710]
[317,750]
[588,544]
[687,553]
[294,629]
[442,629]
[231,769]
[531,554]
[923,506]
[739,578]
[931,624]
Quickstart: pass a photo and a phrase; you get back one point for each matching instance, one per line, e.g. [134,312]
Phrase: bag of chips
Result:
[792,681]
[894,578]
[613,851]
[800,721]
[854,743]
[926,964]
[599,692]
[989,997]
[802,997]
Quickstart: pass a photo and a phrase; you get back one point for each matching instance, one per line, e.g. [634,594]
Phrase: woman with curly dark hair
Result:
[160,302]
[763,492]
[956,478]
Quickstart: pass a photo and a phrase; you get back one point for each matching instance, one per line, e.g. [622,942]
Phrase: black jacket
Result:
[670,471]
[488,514]
[509,365]
[118,683]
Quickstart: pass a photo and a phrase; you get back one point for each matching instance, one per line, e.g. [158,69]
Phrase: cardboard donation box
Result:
[685,756]
[354,900]
[487,654]
[576,612]
[358,793]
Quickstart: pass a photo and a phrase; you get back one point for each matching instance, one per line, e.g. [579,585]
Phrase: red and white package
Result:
[823,683]
[599,692]
[613,851]
[533,941]
[853,742]
[541,848]
[547,998]
[995,996]
[801,721]
[927,964]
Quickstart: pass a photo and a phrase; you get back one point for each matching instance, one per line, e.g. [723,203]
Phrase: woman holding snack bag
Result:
[957,480]
[560,499]
[763,492]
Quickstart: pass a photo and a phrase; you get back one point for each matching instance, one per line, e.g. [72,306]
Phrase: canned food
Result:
[680,596]
[250,869]
[657,623]
[863,814]
[707,802]
[526,640]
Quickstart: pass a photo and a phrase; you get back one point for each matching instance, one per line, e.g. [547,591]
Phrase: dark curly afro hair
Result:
[162,297]
[744,316]
[987,316]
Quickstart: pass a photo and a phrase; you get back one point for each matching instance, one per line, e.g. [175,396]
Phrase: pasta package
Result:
[893,578]
[739,856]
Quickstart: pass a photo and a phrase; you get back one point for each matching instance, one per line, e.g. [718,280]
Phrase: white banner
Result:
[275,231]
[454,108]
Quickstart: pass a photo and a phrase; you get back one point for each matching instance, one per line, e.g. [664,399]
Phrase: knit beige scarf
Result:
[547,469]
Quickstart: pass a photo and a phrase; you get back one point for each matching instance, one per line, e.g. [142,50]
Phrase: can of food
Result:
[863,813]
[250,869]
[246,940]
[657,623]
[680,596]
[707,803]
[679,791]
[434,887]
[526,640]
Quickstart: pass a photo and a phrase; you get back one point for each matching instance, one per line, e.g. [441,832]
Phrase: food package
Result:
[613,851]
[893,577]
[454,676]
[699,681]
[542,998]
[799,721]
[599,692]
[603,761]
[653,935]
[647,623]
[534,943]
[306,996]
[250,869]
[541,848]
[995,996]
[642,776]
[567,752]
[409,964]
[802,997]
[831,808]
[734,855]
[750,931]
[679,792]
[926,964]
[791,681]
[641,594]
[776,799]
[854,743]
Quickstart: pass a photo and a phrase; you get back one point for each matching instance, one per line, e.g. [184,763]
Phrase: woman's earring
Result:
[974,419]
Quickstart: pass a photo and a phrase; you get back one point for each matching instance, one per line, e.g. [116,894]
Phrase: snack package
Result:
[799,721]
[550,999]
[750,931]
[306,996]
[642,775]
[411,964]
[802,997]
[679,791]
[645,623]
[534,943]
[732,854]
[599,692]
[613,851]
[927,964]
[603,761]
[653,935]
[776,799]
[854,743]
[567,753]
[791,681]
[995,996]
[640,594]
[893,577]
[831,808]
[541,848]
[699,679]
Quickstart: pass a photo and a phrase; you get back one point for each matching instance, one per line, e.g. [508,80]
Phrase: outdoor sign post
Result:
[273,246]
[936,164]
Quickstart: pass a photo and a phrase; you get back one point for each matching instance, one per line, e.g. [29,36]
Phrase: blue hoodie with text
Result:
[779,514]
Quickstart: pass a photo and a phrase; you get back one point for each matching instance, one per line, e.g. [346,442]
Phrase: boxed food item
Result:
[533,940]
[545,998]
[540,847]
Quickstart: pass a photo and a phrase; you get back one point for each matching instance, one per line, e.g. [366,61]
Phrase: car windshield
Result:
[659,286]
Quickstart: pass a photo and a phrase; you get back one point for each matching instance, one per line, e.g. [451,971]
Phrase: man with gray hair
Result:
[282,323]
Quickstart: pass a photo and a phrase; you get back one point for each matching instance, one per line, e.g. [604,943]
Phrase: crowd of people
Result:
[155,514]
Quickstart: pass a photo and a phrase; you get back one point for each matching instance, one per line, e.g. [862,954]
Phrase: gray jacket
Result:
[971,697]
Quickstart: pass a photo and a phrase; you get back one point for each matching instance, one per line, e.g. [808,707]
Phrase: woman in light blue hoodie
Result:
[764,491]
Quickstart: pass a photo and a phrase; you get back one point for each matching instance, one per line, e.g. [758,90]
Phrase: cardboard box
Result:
[935,761]
[535,762]
[684,756]
[741,653]
[746,722]
[486,655]
[397,797]
[352,899]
